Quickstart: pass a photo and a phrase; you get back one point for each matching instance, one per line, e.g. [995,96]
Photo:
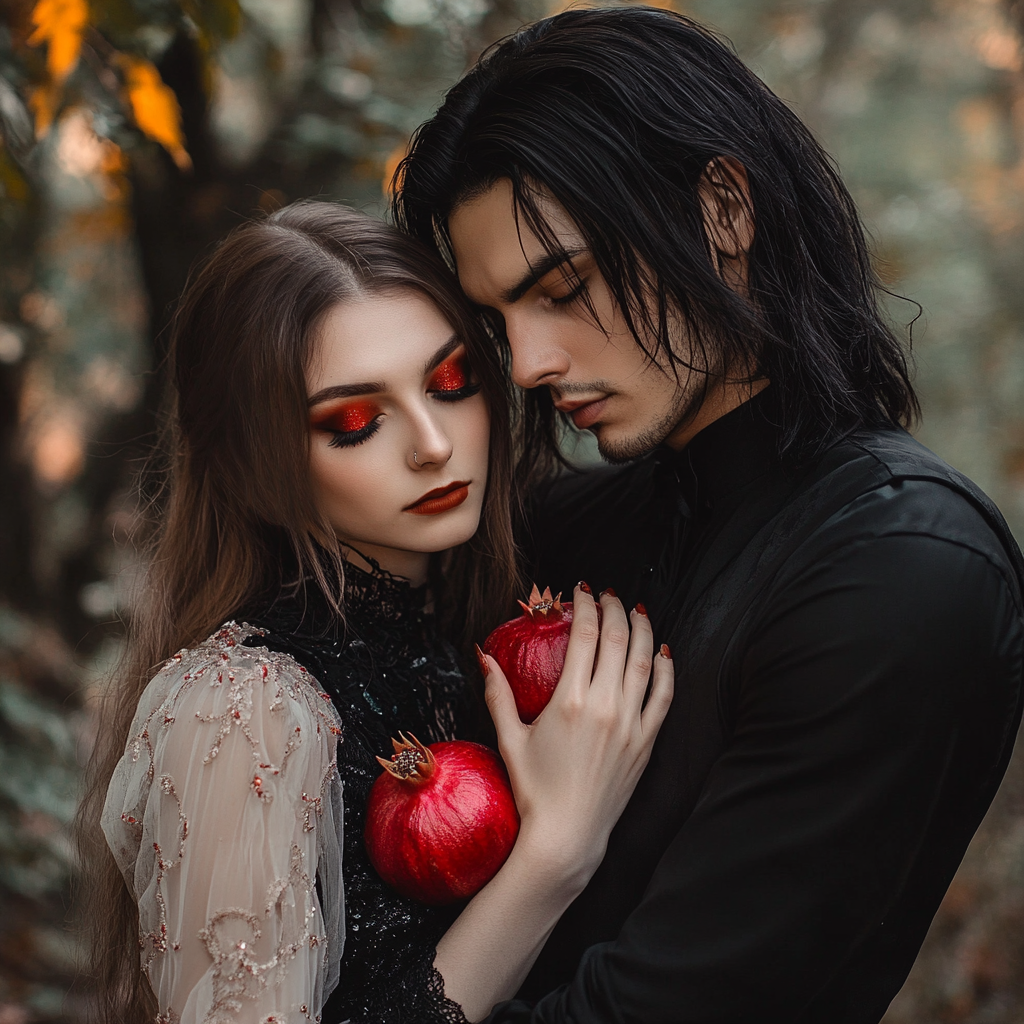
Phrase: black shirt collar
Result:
[724,458]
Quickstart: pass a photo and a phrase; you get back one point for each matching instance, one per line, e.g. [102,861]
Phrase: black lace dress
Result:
[387,670]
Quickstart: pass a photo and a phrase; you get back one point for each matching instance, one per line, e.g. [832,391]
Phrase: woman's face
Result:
[399,430]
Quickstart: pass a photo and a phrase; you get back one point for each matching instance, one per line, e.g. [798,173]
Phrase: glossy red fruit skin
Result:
[531,652]
[443,839]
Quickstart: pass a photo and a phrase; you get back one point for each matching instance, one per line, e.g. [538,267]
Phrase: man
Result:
[677,268]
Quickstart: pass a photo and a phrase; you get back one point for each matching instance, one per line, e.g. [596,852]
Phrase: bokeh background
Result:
[133,133]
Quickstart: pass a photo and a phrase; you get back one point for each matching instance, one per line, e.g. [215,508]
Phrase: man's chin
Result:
[618,450]
[618,445]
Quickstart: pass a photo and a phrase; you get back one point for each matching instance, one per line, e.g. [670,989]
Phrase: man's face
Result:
[596,371]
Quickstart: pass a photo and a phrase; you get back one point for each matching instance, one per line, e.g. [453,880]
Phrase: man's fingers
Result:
[660,699]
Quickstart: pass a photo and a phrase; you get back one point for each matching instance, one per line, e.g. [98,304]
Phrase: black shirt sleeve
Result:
[876,690]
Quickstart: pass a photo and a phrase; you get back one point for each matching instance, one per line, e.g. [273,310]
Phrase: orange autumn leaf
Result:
[43,101]
[155,108]
[395,157]
[60,24]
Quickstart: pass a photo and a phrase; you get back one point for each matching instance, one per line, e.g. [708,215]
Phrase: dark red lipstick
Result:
[440,499]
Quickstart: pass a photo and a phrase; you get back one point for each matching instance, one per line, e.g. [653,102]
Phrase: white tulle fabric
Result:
[223,812]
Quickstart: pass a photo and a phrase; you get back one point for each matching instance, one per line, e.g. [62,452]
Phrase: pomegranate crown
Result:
[411,761]
[542,604]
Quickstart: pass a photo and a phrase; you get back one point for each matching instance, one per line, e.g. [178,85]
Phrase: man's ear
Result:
[724,192]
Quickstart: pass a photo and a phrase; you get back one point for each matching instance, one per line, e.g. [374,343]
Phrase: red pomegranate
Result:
[441,820]
[531,650]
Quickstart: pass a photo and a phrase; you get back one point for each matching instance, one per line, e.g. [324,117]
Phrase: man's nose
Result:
[537,357]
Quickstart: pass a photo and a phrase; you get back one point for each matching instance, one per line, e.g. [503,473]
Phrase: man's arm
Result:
[877,697]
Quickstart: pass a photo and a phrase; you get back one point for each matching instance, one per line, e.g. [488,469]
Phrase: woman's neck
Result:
[409,565]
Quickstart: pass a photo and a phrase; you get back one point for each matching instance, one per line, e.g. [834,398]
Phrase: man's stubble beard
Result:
[689,402]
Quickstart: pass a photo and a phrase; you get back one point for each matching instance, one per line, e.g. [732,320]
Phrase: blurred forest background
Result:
[135,132]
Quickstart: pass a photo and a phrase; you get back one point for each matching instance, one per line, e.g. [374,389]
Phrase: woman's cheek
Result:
[350,486]
[477,430]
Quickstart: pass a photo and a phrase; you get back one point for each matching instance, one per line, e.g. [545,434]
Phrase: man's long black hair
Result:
[618,114]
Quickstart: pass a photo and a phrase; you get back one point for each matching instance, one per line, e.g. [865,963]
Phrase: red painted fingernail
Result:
[641,610]
[584,586]
[665,652]
[481,660]
[609,591]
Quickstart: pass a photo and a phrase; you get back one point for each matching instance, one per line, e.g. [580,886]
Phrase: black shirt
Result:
[849,646]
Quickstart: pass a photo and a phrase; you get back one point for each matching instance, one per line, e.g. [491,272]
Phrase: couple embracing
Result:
[794,673]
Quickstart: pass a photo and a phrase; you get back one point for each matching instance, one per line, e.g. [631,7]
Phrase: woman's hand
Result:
[574,768]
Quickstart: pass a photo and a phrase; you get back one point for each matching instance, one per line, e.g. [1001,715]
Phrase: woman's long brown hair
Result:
[236,501]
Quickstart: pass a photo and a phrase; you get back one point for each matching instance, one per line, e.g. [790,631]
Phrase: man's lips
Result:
[584,414]
[440,499]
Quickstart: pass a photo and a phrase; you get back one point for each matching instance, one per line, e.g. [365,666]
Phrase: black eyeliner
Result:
[466,391]
[351,438]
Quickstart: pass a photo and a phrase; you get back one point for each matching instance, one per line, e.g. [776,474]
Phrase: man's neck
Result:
[718,403]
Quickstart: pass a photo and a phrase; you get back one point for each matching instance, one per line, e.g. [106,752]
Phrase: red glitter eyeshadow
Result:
[451,375]
[348,418]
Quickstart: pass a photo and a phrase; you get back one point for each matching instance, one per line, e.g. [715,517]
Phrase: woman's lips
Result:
[587,415]
[441,499]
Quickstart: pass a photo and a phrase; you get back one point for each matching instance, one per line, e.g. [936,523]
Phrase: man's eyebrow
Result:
[442,353]
[538,270]
[347,391]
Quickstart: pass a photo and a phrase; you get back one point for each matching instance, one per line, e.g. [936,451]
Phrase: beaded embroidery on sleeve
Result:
[223,814]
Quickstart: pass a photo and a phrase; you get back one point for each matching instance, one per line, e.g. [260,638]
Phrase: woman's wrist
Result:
[561,868]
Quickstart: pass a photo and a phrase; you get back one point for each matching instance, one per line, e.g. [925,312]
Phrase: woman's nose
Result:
[431,445]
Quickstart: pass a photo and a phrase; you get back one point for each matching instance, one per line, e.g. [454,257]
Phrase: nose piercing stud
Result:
[415,458]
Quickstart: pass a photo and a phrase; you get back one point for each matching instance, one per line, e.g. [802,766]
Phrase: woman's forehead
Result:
[386,338]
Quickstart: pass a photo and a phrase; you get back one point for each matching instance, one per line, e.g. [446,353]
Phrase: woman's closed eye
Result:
[349,424]
[451,381]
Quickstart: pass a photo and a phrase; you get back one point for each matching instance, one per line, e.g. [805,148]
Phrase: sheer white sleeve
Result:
[223,813]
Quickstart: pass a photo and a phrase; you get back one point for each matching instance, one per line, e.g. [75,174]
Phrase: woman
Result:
[338,497]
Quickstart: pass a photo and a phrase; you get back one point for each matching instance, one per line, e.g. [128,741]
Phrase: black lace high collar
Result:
[378,593]
[369,597]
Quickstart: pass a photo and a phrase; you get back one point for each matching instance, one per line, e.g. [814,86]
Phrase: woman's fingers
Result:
[637,673]
[613,648]
[662,690]
[500,701]
[584,633]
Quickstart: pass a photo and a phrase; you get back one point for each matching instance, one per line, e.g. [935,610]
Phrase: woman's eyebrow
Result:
[373,387]
[347,391]
[442,353]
